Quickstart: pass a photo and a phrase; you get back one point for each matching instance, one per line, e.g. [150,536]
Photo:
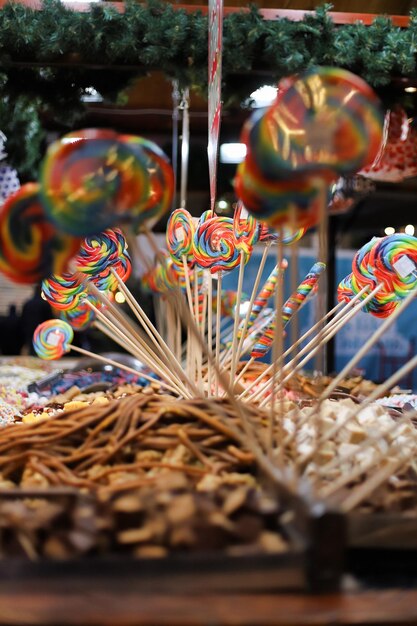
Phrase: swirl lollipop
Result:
[385,255]
[52,339]
[81,317]
[99,254]
[274,201]
[179,236]
[161,183]
[215,245]
[91,181]
[327,120]
[63,292]
[30,246]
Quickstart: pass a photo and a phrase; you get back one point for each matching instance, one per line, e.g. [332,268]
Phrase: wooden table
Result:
[31,604]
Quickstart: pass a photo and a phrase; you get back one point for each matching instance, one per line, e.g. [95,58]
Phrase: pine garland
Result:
[158,36]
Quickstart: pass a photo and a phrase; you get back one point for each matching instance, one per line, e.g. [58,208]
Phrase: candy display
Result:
[52,339]
[30,246]
[89,184]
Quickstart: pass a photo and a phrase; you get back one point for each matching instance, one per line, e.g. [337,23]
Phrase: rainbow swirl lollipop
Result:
[275,201]
[99,254]
[30,246]
[160,176]
[52,339]
[326,119]
[179,236]
[63,292]
[90,182]
[81,317]
[384,257]
[246,228]
[215,245]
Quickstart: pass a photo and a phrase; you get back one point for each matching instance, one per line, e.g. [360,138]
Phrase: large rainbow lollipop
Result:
[30,246]
[91,181]
[81,317]
[52,339]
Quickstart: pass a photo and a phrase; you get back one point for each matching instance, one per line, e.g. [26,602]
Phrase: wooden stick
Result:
[102,328]
[237,314]
[323,337]
[277,357]
[210,331]
[337,317]
[218,316]
[251,301]
[151,331]
[141,351]
[371,341]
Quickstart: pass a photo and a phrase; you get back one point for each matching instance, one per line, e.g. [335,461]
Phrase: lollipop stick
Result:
[322,257]
[102,328]
[277,355]
[237,314]
[210,330]
[218,316]
[140,349]
[253,296]
[314,345]
[150,329]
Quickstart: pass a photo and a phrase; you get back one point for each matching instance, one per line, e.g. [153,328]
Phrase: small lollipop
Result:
[30,246]
[52,339]
[79,318]
[215,245]
[91,181]
[179,236]
[99,254]
[63,292]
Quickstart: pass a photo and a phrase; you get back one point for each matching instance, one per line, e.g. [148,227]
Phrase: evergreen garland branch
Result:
[159,36]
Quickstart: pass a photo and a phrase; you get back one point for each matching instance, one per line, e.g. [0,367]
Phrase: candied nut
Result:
[100,401]
[151,552]
[209,482]
[56,548]
[129,503]
[181,509]
[74,404]
[272,542]
[234,500]
[135,535]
